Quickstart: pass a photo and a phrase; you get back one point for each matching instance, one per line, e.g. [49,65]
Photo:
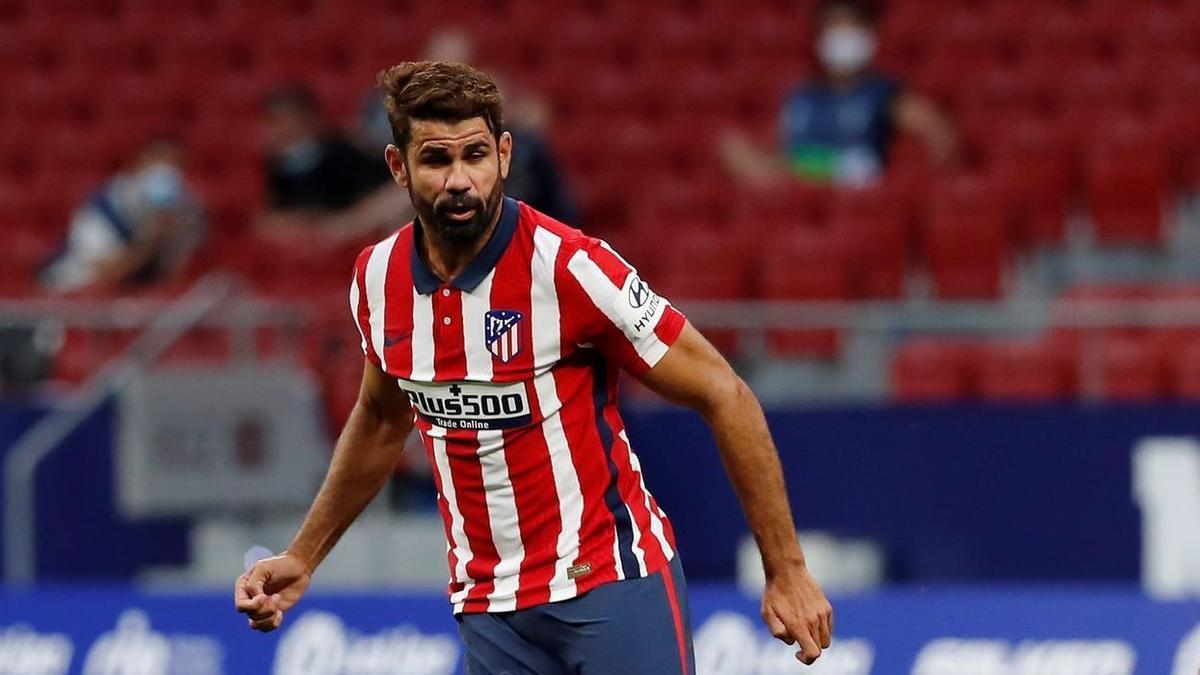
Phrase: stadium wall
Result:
[944,632]
[954,494]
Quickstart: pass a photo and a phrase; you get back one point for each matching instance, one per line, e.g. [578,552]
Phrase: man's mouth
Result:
[461,215]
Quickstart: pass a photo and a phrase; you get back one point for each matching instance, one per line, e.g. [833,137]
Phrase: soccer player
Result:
[498,332]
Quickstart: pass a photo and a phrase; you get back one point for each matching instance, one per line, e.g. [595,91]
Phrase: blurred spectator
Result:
[837,127]
[533,175]
[139,228]
[320,186]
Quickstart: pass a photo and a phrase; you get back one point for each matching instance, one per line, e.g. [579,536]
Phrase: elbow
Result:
[729,393]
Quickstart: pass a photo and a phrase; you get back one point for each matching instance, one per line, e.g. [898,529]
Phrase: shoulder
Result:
[568,240]
[804,92]
[881,82]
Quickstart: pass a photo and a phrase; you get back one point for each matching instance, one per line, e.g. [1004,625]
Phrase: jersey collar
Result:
[426,282]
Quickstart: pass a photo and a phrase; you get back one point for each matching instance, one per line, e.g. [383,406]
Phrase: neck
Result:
[845,81]
[448,259]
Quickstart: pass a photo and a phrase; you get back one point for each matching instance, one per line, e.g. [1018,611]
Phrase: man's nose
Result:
[457,182]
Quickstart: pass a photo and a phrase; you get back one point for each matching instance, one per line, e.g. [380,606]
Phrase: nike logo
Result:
[396,339]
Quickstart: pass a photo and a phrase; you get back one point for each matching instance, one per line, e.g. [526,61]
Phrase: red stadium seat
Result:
[1127,184]
[967,239]
[780,208]
[1130,369]
[876,223]
[1031,163]
[1022,371]
[1185,372]
[805,266]
[930,370]
[703,266]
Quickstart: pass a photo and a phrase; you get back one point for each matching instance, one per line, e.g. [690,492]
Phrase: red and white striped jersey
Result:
[511,369]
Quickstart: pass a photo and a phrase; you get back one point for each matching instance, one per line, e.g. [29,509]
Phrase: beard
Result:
[436,216]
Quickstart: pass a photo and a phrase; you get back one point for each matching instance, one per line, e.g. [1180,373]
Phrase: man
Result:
[498,332]
[837,127]
[139,228]
[320,187]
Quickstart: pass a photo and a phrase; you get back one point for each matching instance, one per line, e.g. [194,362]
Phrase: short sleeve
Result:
[618,312]
[359,309]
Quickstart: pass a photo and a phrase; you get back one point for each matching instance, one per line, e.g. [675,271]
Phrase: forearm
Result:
[752,463]
[365,456]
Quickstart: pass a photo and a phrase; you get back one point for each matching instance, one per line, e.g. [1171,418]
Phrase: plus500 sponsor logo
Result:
[470,406]
[320,644]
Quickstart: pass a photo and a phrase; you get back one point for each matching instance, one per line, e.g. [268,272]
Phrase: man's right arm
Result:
[365,456]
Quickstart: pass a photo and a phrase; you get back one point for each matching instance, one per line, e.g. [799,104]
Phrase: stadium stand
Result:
[1077,117]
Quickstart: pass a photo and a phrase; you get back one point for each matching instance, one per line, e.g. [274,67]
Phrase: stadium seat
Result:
[1184,368]
[703,265]
[930,370]
[1126,173]
[1025,371]
[875,222]
[967,239]
[804,266]
[1130,370]
[779,208]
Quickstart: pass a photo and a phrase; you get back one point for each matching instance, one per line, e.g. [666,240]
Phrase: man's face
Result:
[286,126]
[454,173]
[846,42]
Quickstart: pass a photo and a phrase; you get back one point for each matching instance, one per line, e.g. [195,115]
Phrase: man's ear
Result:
[395,160]
[504,150]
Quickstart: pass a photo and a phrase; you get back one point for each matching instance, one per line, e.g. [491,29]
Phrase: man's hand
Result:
[270,588]
[796,611]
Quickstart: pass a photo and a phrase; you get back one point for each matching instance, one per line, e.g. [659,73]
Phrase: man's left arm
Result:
[693,373]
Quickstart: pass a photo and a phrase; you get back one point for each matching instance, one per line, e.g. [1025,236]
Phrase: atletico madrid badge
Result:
[502,333]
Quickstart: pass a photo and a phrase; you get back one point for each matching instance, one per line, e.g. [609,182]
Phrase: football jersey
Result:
[511,369]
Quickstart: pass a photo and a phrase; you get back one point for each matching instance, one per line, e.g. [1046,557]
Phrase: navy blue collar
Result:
[426,282]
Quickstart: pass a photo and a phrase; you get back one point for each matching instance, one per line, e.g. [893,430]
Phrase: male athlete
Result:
[498,332]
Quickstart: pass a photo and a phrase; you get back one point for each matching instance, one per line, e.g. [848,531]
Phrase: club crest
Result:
[502,333]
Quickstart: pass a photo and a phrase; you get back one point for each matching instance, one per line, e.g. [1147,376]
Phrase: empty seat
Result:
[967,239]
[1129,370]
[930,370]
[807,266]
[875,223]
[1184,367]
[1126,176]
[1026,371]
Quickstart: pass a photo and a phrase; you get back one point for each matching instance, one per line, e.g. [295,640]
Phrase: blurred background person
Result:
[836,127]
[320,186]
[534,175]
[140,228]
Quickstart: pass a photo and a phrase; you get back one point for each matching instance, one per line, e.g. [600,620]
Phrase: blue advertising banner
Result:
[943,631]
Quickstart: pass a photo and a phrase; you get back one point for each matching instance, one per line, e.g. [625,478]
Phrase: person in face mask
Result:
[320,186]
[837,127]
[139,228]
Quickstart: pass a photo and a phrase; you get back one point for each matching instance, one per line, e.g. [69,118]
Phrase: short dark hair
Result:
[438,90]
[867,11]
[291,97]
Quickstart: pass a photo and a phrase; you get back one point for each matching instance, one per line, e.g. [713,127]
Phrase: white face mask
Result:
[846,49]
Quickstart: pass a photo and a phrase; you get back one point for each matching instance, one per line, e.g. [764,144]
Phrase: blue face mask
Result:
[161,185]
[299,157]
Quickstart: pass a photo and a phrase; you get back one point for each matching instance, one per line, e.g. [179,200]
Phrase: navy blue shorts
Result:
[628,627]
